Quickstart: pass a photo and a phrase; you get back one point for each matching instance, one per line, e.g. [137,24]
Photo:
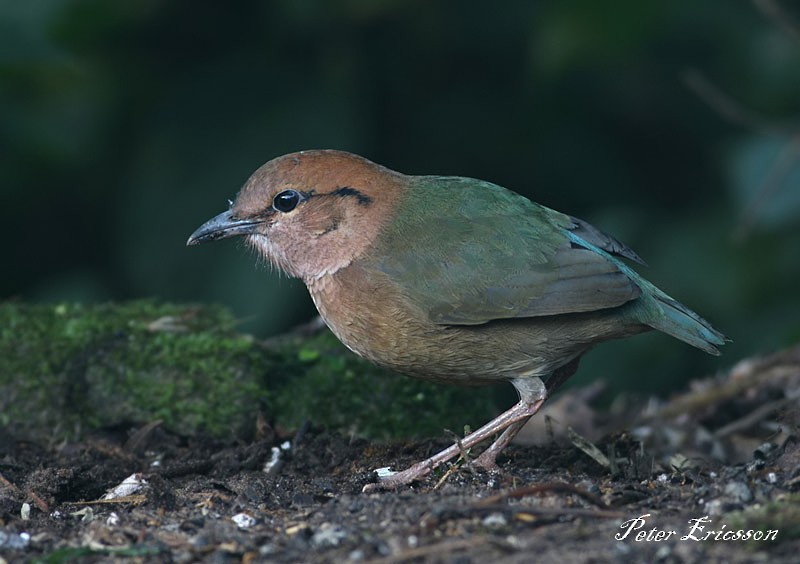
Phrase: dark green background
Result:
[124,125]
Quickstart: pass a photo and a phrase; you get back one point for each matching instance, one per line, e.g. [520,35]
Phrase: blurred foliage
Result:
[124,125]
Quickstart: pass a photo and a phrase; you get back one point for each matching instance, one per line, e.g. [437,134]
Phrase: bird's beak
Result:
[221,226]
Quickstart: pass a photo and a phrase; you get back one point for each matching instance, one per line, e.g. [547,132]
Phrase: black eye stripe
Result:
[347,191]
[286,201]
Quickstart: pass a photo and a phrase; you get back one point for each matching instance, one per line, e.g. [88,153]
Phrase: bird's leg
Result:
[561,375]
[509,421]
[532,396]
[487,459]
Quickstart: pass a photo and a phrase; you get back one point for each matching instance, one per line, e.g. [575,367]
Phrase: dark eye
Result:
[286,201]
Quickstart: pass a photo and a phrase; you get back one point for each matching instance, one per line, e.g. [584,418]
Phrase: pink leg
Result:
[488,458]
[510,422]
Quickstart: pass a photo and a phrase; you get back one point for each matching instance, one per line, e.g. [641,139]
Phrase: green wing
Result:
[469,251]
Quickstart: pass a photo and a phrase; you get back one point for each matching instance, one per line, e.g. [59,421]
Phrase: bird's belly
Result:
[387,330]
[373,318]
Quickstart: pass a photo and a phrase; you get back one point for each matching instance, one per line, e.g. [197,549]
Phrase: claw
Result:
[509,422]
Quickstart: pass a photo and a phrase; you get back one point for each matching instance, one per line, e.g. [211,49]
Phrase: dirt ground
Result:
[725,455]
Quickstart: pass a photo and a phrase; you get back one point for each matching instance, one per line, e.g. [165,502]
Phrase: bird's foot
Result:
[509,423]
[394,480]
[486,463]
[488,458]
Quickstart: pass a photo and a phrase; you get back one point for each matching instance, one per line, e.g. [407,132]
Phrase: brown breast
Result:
[373,318]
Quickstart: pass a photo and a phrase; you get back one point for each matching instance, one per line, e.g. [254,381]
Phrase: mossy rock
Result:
[325,382]
[67,369]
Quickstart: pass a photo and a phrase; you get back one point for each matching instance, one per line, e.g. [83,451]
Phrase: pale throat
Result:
[309,265]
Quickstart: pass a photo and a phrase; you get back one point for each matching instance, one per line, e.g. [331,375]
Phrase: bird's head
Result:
[310,213]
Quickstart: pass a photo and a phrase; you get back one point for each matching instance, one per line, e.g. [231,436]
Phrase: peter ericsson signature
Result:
[700,529]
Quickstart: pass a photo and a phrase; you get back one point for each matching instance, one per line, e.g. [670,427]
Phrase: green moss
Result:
[327,383]
[782,515]
[66,369]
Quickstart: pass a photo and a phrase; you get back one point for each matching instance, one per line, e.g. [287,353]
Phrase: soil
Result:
[198,499]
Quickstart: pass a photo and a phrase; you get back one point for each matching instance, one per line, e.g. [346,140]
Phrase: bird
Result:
[449,279]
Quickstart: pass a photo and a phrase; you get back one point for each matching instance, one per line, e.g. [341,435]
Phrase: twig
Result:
[588,448]
[450,471]
[753,417]
[747,374]
[137,440]
[4,482]
[135,499]
[43,506]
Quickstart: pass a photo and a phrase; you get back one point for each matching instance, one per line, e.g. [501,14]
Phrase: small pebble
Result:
[763,450]
[328,535]
[14,541]
[243,520]
[273,461]
[112,520]
[128,486]
[384,472]
[739,491]
[495,520]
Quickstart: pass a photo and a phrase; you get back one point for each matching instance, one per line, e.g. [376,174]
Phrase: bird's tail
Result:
[674,318]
